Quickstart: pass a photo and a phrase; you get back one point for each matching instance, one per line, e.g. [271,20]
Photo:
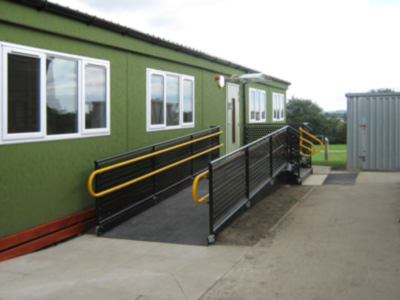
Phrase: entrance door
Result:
[232,117]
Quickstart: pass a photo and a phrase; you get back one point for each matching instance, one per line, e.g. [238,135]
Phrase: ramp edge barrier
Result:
[236,178]
[128,183]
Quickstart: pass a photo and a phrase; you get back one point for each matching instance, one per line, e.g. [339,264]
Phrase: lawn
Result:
[337,160]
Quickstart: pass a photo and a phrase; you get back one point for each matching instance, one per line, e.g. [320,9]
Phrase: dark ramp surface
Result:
[341,178]
[177,219]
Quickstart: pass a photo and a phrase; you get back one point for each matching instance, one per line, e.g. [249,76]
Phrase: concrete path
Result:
[342,242]
[89,267]
[339,242]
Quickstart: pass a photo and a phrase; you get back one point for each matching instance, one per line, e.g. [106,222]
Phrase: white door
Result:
[232,117]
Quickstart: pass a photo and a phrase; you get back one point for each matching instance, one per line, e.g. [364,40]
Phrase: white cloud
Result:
[325,49]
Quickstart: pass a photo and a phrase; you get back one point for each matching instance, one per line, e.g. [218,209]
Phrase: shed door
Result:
[232,117]
[363,144]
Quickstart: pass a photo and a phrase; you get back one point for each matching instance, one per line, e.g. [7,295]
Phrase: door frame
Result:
[228,84]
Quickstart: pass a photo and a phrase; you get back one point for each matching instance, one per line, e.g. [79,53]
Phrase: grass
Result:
[337,160]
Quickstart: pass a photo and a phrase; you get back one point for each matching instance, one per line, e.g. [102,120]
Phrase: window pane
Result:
[252,105]
[62,95]
[187,101]
[157,99]
[263,106]
[257,106]
[172,100]
[23,94]
[95,96]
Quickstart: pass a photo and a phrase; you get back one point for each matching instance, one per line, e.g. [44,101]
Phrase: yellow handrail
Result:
[313,150]
[130,161]
[130,182]
[194,188]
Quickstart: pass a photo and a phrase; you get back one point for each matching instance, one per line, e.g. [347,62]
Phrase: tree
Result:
[303,110]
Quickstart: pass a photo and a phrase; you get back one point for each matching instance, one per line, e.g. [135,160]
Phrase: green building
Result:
[75,88]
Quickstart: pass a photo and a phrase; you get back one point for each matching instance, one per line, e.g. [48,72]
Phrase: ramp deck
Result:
[176,219]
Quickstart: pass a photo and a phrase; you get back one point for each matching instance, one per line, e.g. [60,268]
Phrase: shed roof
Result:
[369,94]
[105,24]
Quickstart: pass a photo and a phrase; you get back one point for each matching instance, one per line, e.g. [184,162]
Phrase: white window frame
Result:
[13,138]
[260,93]
[164,74]
[94,131]
[278,103]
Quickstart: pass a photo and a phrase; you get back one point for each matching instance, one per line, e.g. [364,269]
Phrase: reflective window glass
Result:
[157,99]
[187,101]
[62,95]
[23,101]
[172,100]
[95,96]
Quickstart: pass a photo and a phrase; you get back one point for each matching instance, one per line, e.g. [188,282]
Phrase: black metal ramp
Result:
[176,219]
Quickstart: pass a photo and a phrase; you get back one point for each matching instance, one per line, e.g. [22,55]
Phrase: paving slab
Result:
[315,179]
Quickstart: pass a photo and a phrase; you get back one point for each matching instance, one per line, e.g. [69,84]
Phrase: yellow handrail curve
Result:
[130,161]
[313,150]
[194,188]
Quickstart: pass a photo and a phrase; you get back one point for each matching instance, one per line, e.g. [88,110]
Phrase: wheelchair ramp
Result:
[176,219]
[129,187]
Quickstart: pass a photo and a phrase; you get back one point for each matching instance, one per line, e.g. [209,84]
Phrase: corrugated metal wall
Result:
[373,131]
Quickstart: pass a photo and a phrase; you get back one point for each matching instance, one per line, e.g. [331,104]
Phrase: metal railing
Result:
[140,178]
[253,132]
[194,188]
[308,145]
[235,178]
[125,184]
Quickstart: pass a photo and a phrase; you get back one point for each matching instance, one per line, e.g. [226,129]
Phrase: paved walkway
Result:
[339,242]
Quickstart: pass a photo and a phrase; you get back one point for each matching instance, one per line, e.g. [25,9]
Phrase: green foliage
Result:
[302,110]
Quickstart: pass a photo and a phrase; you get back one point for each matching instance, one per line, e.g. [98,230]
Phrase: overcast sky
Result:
[324,48]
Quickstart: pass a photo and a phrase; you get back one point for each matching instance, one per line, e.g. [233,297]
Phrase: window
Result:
[170,100]
[257,106]
[278,107]
[49,95]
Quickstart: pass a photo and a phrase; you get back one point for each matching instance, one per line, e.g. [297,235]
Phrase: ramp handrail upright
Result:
[136,159]
[194,188]
[313,150]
